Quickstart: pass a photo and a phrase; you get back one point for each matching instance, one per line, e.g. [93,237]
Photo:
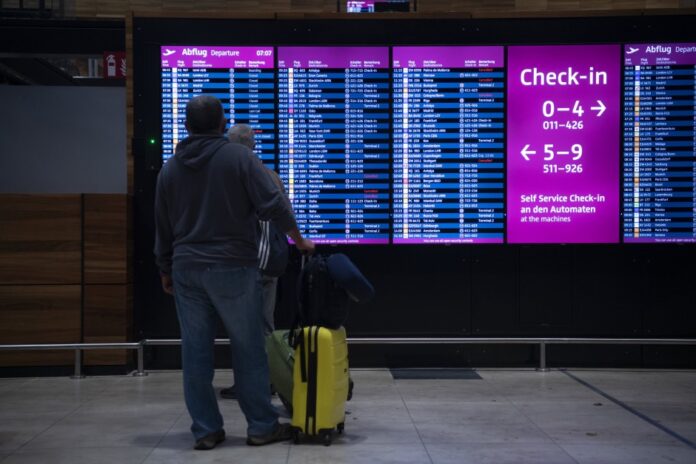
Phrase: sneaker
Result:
[282,432]
[229,393]
[210,441]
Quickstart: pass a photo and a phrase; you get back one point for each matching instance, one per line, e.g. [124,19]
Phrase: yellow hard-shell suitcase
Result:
[321,380]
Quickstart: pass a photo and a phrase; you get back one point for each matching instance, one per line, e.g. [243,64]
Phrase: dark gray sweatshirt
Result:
[210,196]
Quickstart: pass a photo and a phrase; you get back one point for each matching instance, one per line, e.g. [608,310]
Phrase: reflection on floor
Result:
[507,416]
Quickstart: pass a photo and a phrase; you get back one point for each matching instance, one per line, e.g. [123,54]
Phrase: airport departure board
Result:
[242,78]
[454,144]
[449,150]
[334,140]
[659,143]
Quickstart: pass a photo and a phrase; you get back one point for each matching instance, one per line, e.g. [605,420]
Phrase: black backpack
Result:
[321,301]
[273,249]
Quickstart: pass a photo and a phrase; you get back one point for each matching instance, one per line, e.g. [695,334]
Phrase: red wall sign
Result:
[114,65]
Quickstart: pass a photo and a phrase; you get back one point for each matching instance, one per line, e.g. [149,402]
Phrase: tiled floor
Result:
[508,416]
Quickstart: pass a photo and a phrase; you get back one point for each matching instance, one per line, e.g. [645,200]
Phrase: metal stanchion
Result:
[141,361]
[77,375]
[542,357]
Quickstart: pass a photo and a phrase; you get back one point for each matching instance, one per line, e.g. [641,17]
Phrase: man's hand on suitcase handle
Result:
[167,283]
[305,245]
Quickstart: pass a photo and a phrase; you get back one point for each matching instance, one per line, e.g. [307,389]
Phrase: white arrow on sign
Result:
[526,151]
[599,108]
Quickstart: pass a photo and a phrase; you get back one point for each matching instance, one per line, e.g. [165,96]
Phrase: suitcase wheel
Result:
[340,427]
[326,438]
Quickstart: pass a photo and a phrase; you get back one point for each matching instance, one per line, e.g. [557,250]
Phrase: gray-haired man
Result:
[243,134]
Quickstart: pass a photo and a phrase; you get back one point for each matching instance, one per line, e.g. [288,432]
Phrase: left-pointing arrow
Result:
[526,152]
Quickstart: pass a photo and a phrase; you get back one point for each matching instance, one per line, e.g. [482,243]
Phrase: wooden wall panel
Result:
[254,6]
[106,230]
[107,319]
[120,8]
[86,8]
[510,6]
[430,6]
[40,239]
[324,6]
[531,5]
[662,4]
[52,249]
[199,6]
[39,314]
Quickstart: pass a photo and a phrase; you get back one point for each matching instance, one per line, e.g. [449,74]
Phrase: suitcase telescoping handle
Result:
[299,286]
[297,322]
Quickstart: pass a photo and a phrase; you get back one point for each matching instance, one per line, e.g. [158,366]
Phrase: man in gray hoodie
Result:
[209,198]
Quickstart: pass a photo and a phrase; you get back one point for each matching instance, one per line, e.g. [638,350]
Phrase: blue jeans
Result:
[234,293]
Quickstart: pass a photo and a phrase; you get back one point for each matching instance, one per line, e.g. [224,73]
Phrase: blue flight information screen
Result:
[242,78]
[449,145]
[334,141]
[659,162]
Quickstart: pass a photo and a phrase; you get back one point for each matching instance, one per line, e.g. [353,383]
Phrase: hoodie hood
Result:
[196,150]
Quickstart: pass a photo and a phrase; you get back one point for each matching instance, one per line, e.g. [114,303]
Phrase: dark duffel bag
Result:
[325,287]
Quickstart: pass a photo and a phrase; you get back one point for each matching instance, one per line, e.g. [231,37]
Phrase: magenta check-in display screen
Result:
[563,144]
